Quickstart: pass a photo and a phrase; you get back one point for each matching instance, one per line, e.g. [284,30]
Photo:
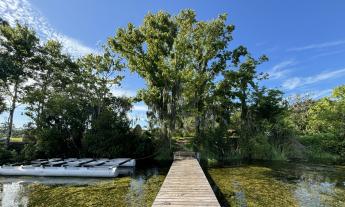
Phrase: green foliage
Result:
[260,147]
[65,99]
[2,105]
[110,137]
[29,152]
[179,58]
[18,61]
[326,124]
[216,145]
[327,114]
[322,146]
[196,86]
[298,113]
[7,155]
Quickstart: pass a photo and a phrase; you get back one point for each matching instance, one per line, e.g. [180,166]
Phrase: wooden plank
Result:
[185,185]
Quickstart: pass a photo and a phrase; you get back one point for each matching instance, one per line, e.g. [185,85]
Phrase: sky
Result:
[304,40]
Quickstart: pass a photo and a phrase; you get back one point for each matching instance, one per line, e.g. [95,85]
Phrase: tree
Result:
[19,46]
[68,96]
[151,50]
[241,86]
[209,53]
[327,117]
[101,71]
[109,134]
[54,73]
[178,57]
[299,115]
[328,114]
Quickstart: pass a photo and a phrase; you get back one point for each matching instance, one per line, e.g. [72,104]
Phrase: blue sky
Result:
[304,40]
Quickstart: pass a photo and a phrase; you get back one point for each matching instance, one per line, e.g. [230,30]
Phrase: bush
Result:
[7,155]
[52,142]
[323,146]
[29,152]
[260,148]
[110,136]
[326,142]
[215,145]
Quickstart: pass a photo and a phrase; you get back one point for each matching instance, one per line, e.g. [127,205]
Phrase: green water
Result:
[280,184]
[139,189]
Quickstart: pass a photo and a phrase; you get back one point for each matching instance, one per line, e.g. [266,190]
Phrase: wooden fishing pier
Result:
[185,184]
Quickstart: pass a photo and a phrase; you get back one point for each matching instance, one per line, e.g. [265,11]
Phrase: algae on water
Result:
[118,192]
[258,186]
[250,186]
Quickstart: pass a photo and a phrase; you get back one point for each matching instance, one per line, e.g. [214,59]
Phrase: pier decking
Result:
[185,185]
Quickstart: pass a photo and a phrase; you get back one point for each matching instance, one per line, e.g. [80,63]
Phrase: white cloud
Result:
[295,82]
[24,12]
[280,70]
[140,108]
[318,46]
[122,92]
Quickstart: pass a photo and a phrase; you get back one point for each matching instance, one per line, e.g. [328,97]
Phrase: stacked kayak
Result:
[71,167]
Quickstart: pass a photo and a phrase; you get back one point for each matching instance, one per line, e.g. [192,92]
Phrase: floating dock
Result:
[185,184]
[72,167]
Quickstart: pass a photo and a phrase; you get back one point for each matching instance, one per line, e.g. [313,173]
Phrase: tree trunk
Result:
[10,118]
[197,117]
[246,132]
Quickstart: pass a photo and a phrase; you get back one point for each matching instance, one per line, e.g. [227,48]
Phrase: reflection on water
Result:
[281,184]
[48,191]
[136,195]
[13,194]
[14,189]
[240,196]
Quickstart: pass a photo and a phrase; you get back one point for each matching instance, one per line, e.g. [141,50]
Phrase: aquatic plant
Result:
[283,185]
[118,192]
[251,186]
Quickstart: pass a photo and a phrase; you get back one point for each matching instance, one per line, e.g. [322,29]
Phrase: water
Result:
[138,189]
[260,184]
[280,184]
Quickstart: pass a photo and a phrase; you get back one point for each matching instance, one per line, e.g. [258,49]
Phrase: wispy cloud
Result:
[313,94]
[122,92]
[295,82]
[318,46]
[24,12]
[281,69]
[333,52]
[320,93]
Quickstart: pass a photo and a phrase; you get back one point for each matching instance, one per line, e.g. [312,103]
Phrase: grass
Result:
[16,139]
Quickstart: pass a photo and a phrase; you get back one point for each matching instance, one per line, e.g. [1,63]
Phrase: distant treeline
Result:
[196,87]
